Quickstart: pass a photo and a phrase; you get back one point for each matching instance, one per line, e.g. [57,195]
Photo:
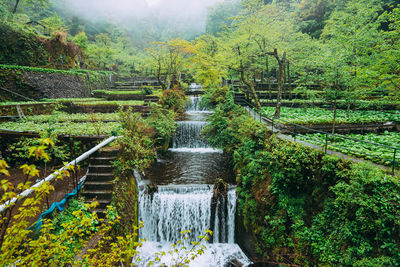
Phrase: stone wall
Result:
[39,85]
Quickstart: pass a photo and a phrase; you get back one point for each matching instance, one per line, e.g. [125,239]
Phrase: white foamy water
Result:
[215,255]
[196,150]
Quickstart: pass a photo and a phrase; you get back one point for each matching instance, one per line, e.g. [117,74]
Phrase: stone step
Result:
[100,177]
[106,168]
[101,160]
[98,185]
[106,153]
[102,203]
[101,213]
[97,194]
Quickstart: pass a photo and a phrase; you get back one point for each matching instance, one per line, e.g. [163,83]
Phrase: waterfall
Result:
[173,209]
[189,135]
[194,104]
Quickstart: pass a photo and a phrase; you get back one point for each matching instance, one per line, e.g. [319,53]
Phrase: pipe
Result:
[49,178]
[24,97]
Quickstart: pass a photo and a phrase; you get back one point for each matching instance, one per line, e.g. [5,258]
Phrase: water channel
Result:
[185,176]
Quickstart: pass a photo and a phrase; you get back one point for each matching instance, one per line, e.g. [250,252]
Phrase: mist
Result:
[162,17]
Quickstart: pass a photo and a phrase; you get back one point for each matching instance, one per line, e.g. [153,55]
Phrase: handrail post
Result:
[394,160]
[326,143]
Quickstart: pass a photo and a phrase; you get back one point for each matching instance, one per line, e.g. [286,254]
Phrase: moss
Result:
[125,200]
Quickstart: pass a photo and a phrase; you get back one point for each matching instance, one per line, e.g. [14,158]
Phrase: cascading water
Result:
[194,104]
[173,209]
[189,135]
[178,207]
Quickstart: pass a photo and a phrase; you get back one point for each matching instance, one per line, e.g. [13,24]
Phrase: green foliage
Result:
[173,99]
[163,122]
[81,40]
[359,224]
[215,95]
[304,207]
[21,47]
[125,200]
[136,143]
[310,116]
[378,154]
[228,126]
[219,16]
[44,70]
[53,24]
[147,90]
[66,127]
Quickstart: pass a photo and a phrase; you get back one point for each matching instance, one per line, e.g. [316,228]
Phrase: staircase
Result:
[99,181]
[134,83]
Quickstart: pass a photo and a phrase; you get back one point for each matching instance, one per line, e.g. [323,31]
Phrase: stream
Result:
[185,176]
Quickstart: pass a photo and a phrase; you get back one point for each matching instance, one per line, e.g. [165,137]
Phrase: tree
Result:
[207,62]
[168,60]
[282,62]
[257,31]
[29,2]
[220,15]
[351,36]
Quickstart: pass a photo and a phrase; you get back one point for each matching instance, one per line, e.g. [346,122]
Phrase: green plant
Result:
[136,143]
[163,122]
[174,99]
[375,153]
[147,90]
[304,207]
[310,116]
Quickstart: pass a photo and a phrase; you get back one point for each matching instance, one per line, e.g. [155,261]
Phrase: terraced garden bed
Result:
[106,107]
[60,128]
[313,116]
[358,105]
[76,117]
[31,108]
[125,95]
[379,154]
[47,106]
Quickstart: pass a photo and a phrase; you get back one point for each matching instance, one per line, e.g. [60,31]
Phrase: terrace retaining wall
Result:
[39,85]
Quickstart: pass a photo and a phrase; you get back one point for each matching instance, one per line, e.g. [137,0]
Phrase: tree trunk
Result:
[15,6]
[288,80]
[281,80]
[248,83]
[163,86]
[268,77]
[334,117]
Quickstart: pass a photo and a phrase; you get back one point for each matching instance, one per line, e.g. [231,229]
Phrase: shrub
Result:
[173,99]
[147,90]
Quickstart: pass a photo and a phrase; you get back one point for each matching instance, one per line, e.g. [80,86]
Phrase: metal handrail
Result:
[51,177]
